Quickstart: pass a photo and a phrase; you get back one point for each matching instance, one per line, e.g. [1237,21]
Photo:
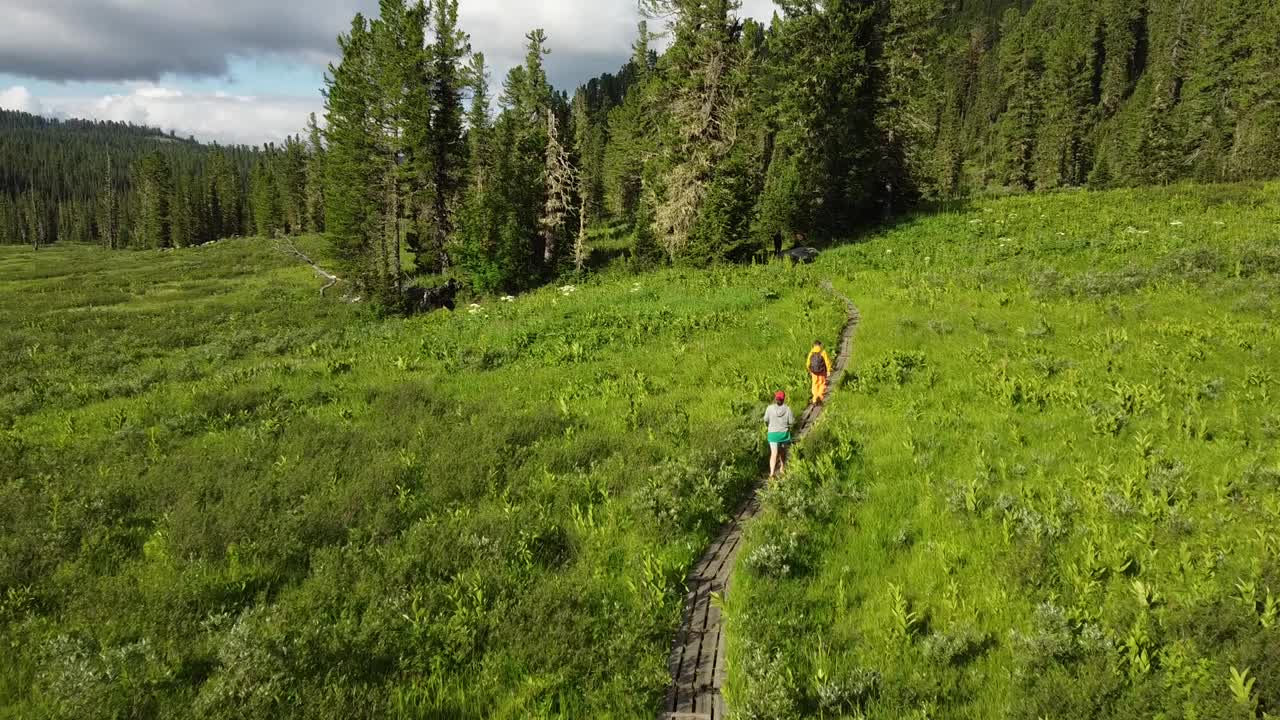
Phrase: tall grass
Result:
[222,496]
[1049,487]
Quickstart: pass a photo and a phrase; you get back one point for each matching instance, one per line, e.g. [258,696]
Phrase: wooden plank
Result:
[697,660]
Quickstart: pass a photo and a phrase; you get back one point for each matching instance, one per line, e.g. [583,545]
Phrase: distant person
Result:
[777,244]
[819,365]
[779,419]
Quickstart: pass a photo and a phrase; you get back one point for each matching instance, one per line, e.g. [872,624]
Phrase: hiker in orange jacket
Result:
[819,366]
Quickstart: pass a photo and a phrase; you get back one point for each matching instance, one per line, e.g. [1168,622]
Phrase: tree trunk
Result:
[580,247]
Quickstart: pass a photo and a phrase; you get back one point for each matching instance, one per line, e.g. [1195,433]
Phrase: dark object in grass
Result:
[424,300]
[802,255]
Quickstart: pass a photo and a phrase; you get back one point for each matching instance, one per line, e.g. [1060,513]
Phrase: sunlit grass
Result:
[224,496]
[1064,497]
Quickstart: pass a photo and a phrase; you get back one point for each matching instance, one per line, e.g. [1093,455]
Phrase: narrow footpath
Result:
[697,661]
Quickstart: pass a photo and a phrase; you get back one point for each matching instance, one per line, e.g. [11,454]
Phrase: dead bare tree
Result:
[561,181]
[287,246]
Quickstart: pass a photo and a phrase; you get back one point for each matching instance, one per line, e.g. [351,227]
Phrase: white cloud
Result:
[19,98]
[217,116]
[127,41]
[124,40]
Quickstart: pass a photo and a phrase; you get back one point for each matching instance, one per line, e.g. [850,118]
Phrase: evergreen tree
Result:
[702,109]
[314,178]
[632,132]
[109,217]
[1021,66]
[182,221]
[154,182]
[288,169]
[448,144]
[1061,152]
[478,231]
[353,166]
[561,184]
[265,195]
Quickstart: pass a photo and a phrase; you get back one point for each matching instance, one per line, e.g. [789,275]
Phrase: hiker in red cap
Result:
[779,419]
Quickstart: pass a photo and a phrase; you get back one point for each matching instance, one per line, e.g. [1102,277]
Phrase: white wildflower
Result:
[1176,223]
[568,290]
[474,308]
[975,221]
[1219,223]
[508,298]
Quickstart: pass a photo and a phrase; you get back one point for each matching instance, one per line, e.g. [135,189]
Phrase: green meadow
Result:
[1050,484]
[1047,488]
[223,496]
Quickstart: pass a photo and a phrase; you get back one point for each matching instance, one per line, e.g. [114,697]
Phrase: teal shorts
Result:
[779,438]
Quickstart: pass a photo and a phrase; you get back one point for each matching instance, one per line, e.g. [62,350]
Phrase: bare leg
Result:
[773,460]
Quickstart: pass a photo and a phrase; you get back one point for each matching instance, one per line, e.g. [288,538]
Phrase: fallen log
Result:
[287,246]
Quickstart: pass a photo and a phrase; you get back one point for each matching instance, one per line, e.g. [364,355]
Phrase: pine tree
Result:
[632,133]
[1021,66]
[154,182]
[477,247]
[703,107]
[447,140]
[520,145]
[479,128]
[265,194]
[109,215]
[587,177]
[351,170]
[1061,156]
[909,81]
[289,171]
[561,183]
[182,223]
[314,178]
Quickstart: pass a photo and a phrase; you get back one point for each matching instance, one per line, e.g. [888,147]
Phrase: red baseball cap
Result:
[780,395]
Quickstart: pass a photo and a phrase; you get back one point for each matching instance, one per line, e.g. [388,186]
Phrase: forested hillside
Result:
[832,116]
[128,186]
[1119,92]
[829,117]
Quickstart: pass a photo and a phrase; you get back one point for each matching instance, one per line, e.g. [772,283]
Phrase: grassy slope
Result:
[1050,487]
[221,496]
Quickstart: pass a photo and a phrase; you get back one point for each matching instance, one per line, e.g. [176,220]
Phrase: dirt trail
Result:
[697,661]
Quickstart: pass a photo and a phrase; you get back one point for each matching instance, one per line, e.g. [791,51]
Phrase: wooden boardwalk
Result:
[697,661]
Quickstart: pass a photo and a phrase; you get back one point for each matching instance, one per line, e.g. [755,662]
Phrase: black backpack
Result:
[817,365]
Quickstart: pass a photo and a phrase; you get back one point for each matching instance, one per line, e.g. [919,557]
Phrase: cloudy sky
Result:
[248,71]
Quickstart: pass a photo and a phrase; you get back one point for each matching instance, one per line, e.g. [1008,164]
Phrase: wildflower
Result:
[508,298]
[888,251]
[475,308]
[1219,223]
[1176,223]
[975,221]
[568,290]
